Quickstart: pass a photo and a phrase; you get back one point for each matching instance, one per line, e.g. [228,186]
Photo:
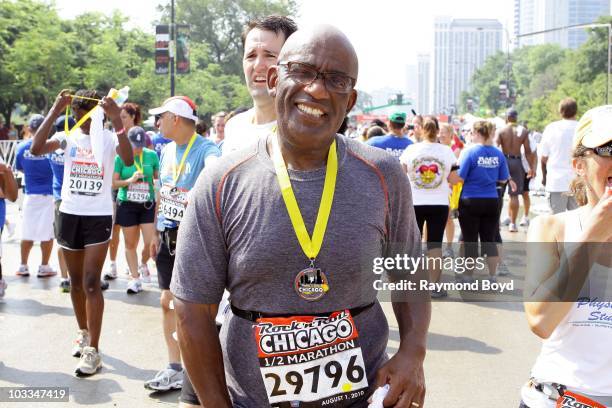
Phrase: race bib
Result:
[573,400]
[139,192]
[315,361]
[86,178]
[172,202]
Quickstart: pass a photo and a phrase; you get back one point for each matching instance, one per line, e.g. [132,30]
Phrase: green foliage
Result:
[543,75]
[219,24]
[40,54]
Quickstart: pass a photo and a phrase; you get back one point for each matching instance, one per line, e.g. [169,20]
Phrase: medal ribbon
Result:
[176,173]
[139,168]
[311,247]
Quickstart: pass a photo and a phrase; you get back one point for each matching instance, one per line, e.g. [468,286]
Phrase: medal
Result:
[310,283]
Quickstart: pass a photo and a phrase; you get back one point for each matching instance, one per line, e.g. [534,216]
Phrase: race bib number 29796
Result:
[316,361]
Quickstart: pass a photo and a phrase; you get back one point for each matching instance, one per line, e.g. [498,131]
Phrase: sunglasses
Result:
[603,150]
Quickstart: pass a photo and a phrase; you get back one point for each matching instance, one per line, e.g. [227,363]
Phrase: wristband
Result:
[120,132]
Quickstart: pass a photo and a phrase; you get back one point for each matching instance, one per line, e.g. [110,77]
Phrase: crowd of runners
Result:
[253,226]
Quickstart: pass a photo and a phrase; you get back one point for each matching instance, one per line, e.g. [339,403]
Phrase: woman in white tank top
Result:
[570,281]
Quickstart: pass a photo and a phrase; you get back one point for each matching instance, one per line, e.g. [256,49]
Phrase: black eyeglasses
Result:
[306,74]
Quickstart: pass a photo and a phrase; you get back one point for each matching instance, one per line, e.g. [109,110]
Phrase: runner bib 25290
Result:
[314,360]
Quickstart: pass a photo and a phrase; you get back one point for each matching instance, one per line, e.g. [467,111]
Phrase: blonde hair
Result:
[578,188]
[483,128]
[430,129]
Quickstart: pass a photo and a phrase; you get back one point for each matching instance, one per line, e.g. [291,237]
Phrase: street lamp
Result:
[590,25]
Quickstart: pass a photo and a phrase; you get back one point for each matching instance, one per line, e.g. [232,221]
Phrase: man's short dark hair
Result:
[396,125]
[275,23]
[568,108]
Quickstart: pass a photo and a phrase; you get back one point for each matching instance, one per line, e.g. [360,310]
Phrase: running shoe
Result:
[448,253]
[437,294]
[46,271]
[506,222]
[512,227]
[65,285]
[143,270]
[104,285]
[111,272]
[3,287]
[524,222]
[491,279]
[23,271]
[166,379]
[502,269]
[89,363]
[463,278]
[134,286]
[80,343]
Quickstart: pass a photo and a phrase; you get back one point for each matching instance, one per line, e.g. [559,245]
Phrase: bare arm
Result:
[124,150]
[201,351]
[40,143]
[529,154]
[117,182]
[544,161]
[453,178]
[8,183]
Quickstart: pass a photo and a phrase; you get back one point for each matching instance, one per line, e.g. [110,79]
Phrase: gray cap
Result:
[35,121]
[137,136]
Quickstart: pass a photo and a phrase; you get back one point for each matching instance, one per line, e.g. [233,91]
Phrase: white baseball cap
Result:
[179,105]
[594,128]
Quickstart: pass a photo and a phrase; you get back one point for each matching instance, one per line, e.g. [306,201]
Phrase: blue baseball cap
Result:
[35,121]
[137,136]
[59,123]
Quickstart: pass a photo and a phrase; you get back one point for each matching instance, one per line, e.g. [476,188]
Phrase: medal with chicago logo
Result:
[311,283]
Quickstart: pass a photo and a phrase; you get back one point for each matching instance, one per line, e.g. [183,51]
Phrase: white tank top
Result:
[578,353]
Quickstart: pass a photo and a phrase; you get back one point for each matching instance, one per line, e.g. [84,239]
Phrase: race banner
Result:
[162,49]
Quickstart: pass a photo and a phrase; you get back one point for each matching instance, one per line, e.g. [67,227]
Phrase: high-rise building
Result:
[411,83]
[460,47]
[423,67]
[539,15]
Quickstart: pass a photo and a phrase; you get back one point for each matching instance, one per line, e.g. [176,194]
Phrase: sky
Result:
[387,34]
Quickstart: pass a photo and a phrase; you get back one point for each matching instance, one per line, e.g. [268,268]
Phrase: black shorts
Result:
[479,219]
[75,232]
[435,216]
[164,263]
[130,214]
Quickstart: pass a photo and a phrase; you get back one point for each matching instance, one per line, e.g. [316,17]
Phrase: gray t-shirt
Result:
[236,234]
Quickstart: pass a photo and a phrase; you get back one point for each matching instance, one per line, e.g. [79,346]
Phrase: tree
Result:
[219,24]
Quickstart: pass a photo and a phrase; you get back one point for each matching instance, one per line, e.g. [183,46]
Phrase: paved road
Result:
[478,353]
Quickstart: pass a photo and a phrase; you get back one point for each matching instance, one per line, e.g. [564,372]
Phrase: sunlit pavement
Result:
[478,354]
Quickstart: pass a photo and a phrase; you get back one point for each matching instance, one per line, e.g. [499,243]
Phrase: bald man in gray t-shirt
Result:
[237,234]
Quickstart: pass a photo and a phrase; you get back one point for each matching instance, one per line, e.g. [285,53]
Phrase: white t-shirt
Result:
[557,146]
[241,131]
[87,187]
[429,165]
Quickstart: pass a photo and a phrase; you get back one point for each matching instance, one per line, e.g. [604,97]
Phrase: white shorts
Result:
[37,218]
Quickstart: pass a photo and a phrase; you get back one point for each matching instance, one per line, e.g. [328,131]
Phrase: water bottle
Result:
[120,96]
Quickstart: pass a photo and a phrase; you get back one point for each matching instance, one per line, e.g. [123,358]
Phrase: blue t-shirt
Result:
[159,142]
[194,163]
[56,160]
[37,170]
[2,213]
[481,167]
[392,144]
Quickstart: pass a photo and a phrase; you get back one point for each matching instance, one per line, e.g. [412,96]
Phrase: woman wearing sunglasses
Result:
[569,281]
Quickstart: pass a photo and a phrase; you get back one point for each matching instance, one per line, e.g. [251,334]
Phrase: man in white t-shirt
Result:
[262,41]
[556,153]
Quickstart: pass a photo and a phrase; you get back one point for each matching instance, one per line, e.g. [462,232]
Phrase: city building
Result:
[539,15]
[411,82]
[423,68]
[461,46]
